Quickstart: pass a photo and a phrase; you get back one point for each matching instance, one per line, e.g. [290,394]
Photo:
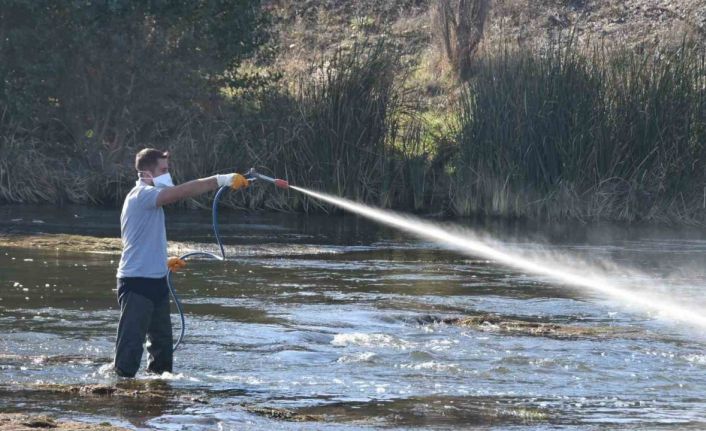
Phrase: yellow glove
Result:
[235,181]
[239,182]
[175,264]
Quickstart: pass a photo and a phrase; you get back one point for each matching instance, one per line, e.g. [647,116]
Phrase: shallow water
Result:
[330,316]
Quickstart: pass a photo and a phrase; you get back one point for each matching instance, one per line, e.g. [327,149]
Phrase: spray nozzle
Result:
[282,184]
[254,175]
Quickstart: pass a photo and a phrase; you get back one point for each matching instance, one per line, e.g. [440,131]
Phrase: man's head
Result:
[151,163]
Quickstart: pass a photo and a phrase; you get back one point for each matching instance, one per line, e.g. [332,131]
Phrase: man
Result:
[142,273]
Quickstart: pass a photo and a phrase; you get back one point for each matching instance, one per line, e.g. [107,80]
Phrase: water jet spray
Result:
[468,243]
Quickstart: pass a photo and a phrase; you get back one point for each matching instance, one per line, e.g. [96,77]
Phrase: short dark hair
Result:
[147,159]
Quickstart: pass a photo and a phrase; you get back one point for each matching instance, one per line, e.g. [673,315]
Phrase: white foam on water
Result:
[358,357]
[369,340]
[696,359]
[433,366]
[105,370]
[250,380]
[607,280]
[168,376]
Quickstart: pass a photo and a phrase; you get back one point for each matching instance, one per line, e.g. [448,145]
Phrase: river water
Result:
[341,319]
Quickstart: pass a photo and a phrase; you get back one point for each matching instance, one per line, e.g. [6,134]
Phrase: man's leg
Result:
[159,336]
[135,314]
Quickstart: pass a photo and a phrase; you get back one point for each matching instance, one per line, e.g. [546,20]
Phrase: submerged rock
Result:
[46,359]
[133,389]
[514,326]
[24,422]
[420,412]
[96,389]
[64,242]
[282,414]
[75,243]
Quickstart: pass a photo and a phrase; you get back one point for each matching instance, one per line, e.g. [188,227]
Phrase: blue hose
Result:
[216,228]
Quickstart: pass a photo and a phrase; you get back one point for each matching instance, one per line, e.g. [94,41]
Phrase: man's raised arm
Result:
[193,188]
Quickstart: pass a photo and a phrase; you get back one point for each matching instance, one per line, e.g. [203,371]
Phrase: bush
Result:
[93,81]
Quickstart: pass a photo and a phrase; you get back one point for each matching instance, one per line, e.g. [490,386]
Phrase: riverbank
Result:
[555,118]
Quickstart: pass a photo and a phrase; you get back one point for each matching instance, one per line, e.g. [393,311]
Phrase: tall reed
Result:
[333,129]
[337,128]
[597,135]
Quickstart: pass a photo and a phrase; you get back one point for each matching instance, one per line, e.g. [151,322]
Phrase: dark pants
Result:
[144,313]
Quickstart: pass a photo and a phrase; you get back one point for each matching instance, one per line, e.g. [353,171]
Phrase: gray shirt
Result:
[143,233]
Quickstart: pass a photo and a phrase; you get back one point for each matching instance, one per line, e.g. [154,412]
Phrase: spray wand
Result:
[252,173]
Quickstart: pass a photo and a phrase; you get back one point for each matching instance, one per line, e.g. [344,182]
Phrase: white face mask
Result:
[164,180]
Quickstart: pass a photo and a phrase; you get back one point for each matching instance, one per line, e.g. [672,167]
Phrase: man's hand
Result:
[239,182]
[175,264]
[235,181]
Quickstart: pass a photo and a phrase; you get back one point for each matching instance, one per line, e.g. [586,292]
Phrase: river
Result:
[351,323]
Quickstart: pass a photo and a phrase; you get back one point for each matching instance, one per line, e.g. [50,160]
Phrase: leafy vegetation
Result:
[91,81]
[589,133]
